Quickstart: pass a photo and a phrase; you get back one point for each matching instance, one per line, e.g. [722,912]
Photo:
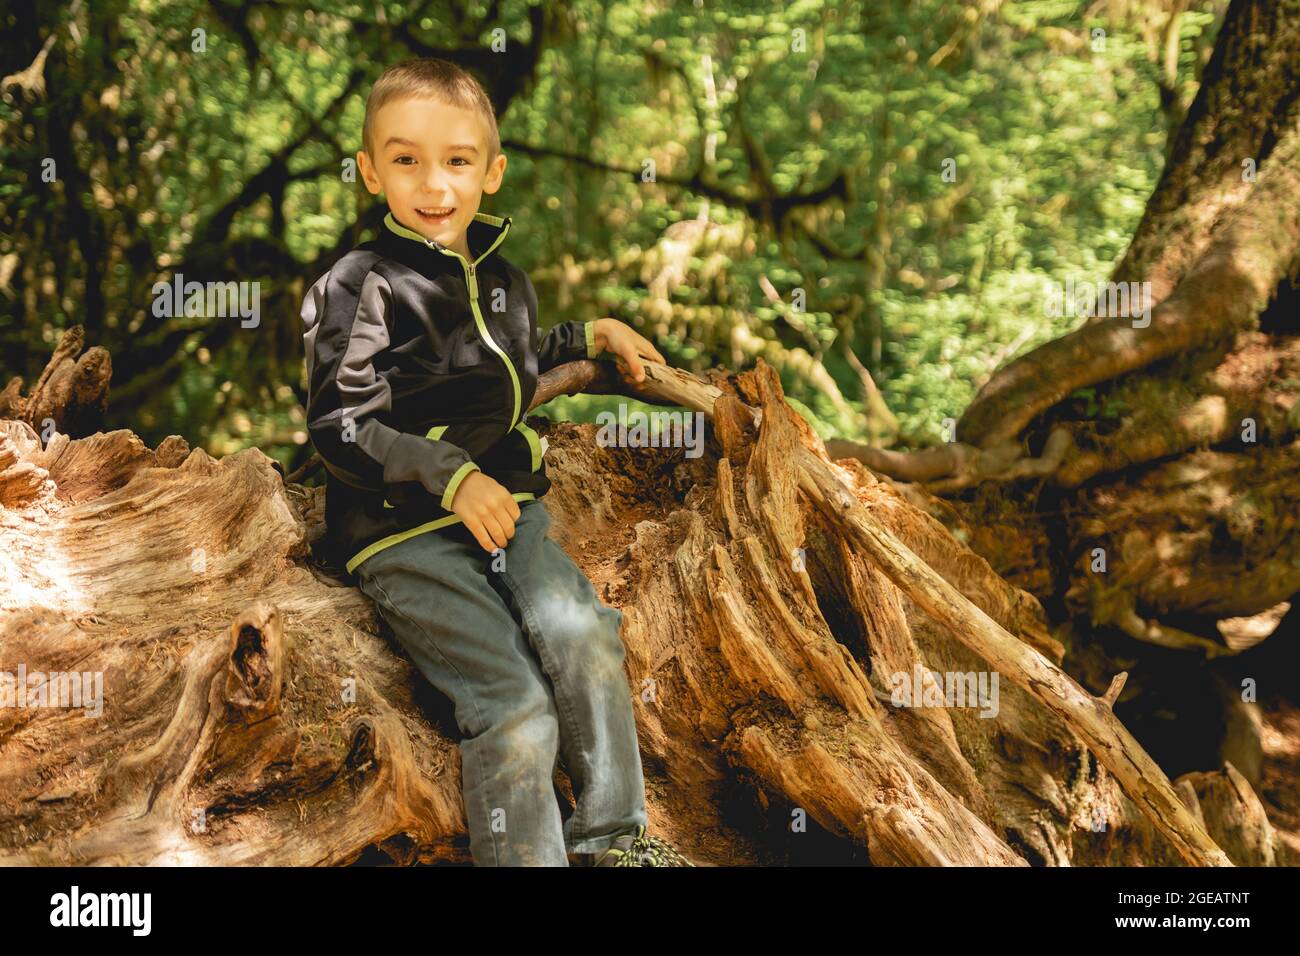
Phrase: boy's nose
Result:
[433,186]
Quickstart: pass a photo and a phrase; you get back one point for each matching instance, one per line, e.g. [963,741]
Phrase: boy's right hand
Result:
[487,509]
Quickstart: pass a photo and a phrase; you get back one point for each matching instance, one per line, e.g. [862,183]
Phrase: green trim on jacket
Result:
[535,444]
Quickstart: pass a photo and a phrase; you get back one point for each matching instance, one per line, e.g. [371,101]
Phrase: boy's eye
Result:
[400,159]
[461,158]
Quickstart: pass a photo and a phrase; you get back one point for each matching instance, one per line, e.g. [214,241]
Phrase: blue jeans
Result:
[533,662]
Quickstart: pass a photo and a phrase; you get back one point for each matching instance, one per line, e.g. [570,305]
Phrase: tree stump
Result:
[254,711]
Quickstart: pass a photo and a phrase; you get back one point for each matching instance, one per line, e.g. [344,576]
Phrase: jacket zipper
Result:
[472,282]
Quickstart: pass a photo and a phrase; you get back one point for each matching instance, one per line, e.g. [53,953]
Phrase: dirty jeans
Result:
[533,662]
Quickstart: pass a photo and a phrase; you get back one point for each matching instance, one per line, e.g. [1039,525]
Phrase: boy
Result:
[422,357]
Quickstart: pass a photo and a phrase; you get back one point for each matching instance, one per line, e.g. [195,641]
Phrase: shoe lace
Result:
[647,850]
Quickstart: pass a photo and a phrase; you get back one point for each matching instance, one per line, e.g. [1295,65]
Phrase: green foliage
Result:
[1053,149]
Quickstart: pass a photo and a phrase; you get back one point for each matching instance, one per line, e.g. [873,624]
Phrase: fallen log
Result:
[254,711]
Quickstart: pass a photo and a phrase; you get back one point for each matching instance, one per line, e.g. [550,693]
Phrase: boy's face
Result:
[431,163]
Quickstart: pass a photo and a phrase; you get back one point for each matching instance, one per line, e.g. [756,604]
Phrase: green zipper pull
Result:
[472,282]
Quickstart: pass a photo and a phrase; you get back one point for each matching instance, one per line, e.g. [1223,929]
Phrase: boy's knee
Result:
[601,648]
[528,727]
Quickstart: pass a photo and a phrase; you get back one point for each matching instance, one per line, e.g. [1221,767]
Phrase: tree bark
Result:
[255,710]
[1210,388]
[1141,481]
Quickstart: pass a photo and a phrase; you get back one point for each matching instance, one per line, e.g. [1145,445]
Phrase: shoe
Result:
[635,847]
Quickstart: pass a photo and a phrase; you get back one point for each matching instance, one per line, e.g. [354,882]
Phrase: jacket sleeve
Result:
[346,318]
[566,342]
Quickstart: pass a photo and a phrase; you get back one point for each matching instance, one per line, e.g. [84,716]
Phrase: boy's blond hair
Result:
[430,76]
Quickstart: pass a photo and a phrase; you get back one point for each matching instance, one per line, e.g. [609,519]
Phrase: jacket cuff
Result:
[589,331]
[461,474]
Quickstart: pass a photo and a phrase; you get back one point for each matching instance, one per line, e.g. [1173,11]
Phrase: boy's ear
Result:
[495,174]
[368,173]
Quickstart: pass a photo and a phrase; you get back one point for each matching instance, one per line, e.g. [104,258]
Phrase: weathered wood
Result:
[1143,781]
[255,711]
[1157,511]
[71,392]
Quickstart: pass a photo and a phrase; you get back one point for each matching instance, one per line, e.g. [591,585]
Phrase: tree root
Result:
[1091,718]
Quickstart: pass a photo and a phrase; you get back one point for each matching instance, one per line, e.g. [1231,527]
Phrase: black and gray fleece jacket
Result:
[420,367]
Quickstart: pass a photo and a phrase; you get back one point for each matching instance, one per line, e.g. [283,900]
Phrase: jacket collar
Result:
[485,233]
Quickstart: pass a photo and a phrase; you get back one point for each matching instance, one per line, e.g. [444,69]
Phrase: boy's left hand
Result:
[626,342]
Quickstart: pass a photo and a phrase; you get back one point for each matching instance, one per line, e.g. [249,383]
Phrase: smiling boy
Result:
[422,357]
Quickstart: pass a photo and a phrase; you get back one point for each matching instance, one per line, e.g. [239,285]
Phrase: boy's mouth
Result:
[436,214]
